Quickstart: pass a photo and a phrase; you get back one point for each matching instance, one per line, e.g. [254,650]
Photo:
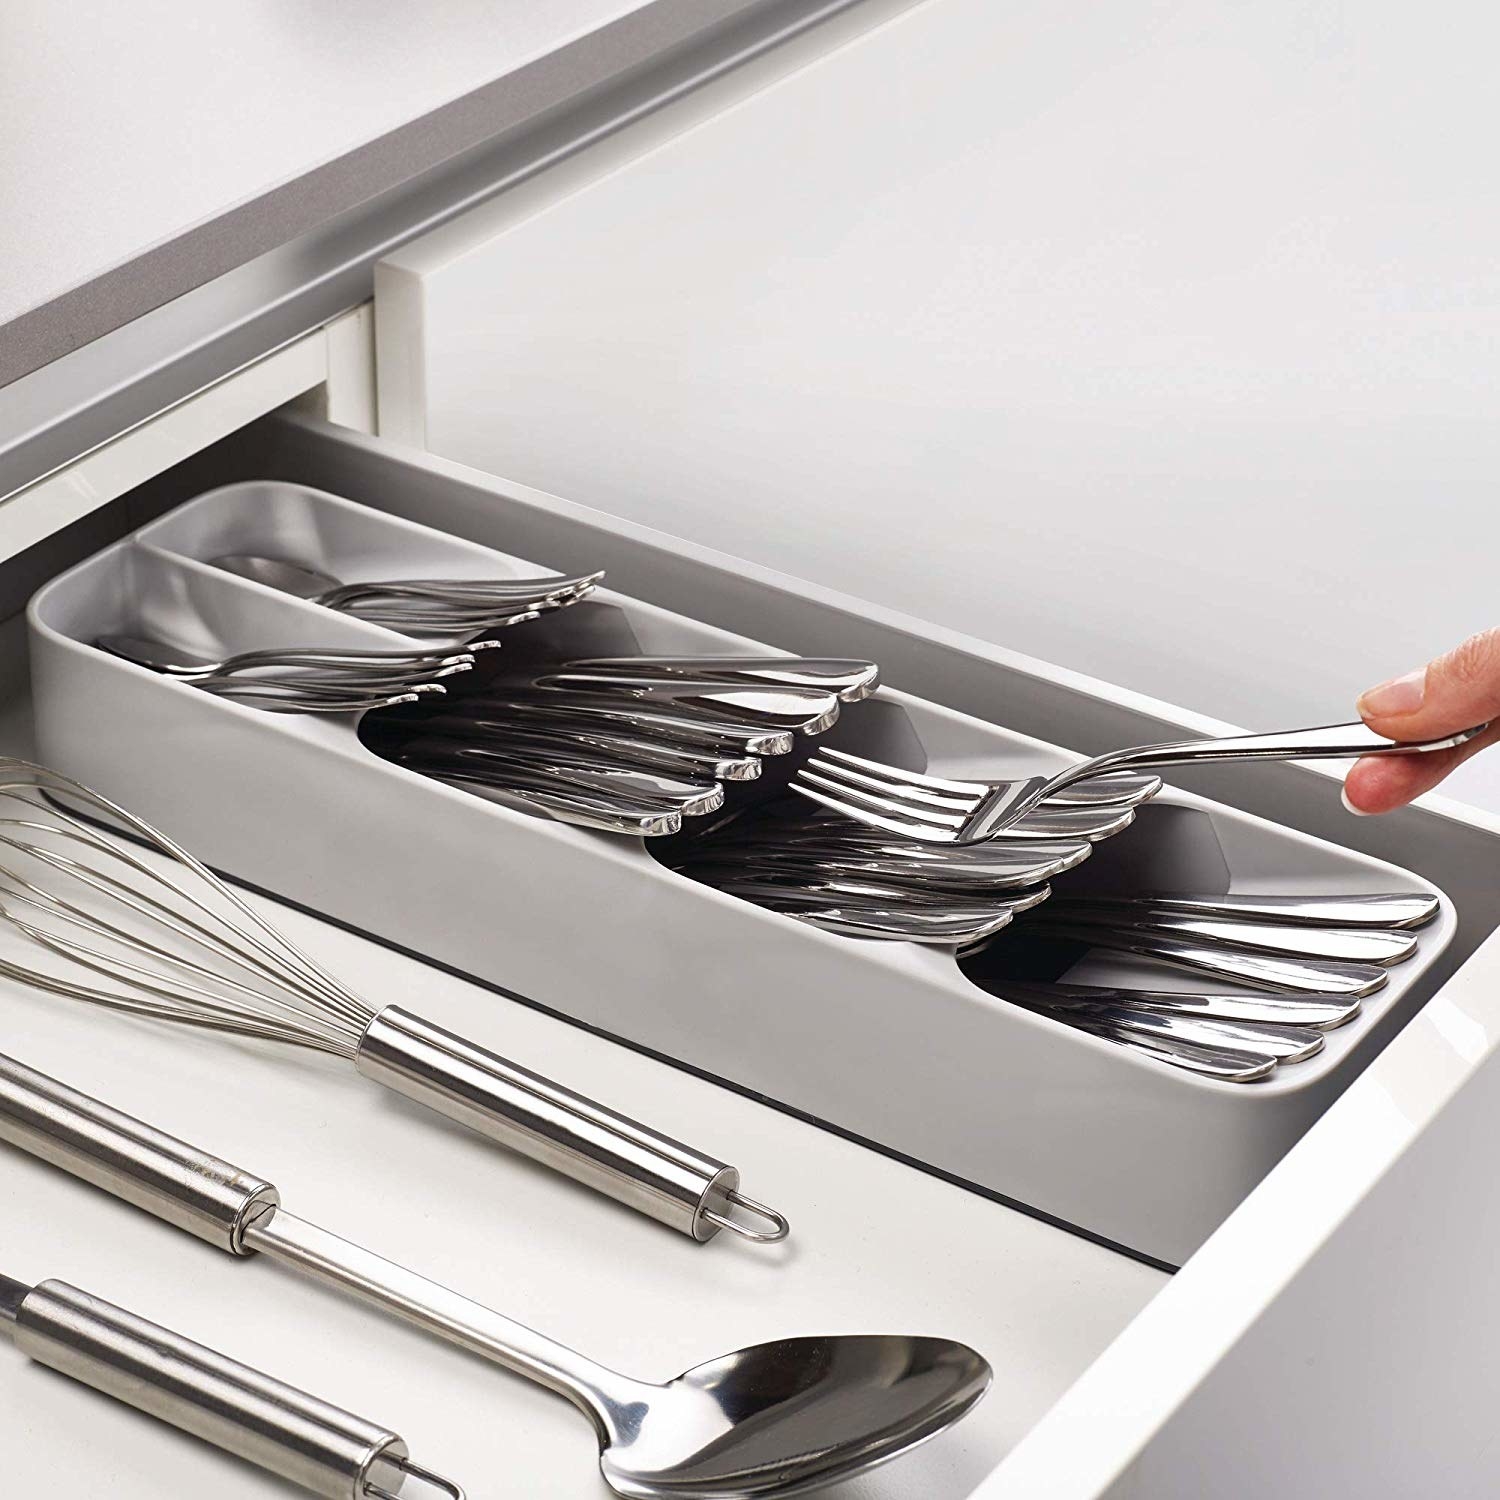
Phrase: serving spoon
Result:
[772,1419]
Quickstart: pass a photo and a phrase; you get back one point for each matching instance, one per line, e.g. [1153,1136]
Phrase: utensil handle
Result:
[263,1420]
[1330,742]
[203,1194]
[609,1152]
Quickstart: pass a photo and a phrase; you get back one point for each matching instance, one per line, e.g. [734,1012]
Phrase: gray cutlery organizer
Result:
[889,1042]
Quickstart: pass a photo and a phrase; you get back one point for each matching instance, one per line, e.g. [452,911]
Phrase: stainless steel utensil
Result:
[264,1421]
[770,1420]
[566,771]
[795,710]
[419,606]
[1229,1064]
[183,947]
[874,794]
[677,726]
[1255,968]
[1050,821]
[852,680]
[302,680]
[1391,910]
[867,909]
[1365,945]
[1013,866]
[1320,1012]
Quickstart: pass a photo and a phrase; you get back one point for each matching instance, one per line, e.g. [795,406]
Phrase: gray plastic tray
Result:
[889,1042]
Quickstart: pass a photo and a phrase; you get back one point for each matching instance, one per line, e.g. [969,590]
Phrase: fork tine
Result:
[954,820]
[847,776]
[899,775]
[926,833]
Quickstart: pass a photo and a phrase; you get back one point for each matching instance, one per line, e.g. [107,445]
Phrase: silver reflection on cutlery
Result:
[1229,1064]
[1256,969]
[1390,910]
[109,929]
[1364,945]
[853,681]
[264,1421]
[992,807]
[1319,1012]
[300,679]
[419,606]
[766,1421]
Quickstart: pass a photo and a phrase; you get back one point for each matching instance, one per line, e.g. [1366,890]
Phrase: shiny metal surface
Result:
[677,725]
[197,1192]
[773,1419]
[885,797]
[609,1152]
[1391,910]
[1319,1012]
[577,774]
[769,1420]
[419,606]
[1259,970]
[112,930]
[1366,945]
[308,680]
[1230,1065]
[852,680]
[307,1441]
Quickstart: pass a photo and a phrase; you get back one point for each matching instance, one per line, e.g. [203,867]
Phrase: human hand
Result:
[1453,692]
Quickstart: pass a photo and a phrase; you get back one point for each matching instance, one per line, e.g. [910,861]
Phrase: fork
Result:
[970,812]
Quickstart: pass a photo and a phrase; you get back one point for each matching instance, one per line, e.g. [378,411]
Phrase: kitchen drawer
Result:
[1379,1188]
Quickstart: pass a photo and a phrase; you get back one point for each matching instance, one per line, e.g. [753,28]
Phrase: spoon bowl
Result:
[783,1417]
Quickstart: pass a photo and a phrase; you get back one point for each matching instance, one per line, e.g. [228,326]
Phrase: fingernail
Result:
[1401,695]
[1358,812]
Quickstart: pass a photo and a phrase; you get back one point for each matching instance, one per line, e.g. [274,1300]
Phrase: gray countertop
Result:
[150,148]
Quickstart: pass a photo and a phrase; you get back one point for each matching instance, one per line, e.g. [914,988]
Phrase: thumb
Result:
[1453,692]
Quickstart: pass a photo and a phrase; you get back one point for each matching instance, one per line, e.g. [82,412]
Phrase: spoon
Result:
[768,1420]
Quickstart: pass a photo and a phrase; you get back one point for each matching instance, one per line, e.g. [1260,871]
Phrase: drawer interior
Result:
[954,1076]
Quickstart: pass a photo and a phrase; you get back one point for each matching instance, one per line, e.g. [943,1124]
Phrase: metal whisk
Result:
[176,944]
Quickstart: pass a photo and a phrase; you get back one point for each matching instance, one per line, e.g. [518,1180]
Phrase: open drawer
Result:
[1374,1196]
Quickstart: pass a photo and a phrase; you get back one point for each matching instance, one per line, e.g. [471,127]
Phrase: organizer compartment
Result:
[890,1042]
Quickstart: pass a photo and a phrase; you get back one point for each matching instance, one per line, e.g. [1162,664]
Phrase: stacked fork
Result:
[321,680]
[625,745]
[1302,964]
[453,608]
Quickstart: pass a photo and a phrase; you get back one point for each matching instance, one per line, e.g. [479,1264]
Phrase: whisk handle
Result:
[609,1152]
[200,1193]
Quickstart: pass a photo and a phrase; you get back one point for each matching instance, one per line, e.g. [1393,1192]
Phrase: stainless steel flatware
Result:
[797,710]
[1229,1064]
[111,929]
[1319,1012]
[770,1420]
[1013,868]
[1255,968]
[565,773]
[264,1421]
[1363,945]
[419,606]
[1392,910]
[883,797]
[867,909]
[608,747]
[300,680]
[851,680]
[677,725]
[1284,1043]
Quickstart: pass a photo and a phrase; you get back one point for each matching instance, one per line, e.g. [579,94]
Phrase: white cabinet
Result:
[881,312]
[1155,341]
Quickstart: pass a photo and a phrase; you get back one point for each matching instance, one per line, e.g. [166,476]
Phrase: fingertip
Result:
[1359,812]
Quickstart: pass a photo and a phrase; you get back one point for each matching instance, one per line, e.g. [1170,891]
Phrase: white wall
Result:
[1157,339]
